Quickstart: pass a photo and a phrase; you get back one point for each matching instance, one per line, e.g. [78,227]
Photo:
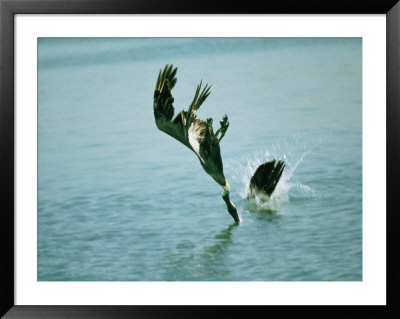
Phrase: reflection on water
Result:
[272,216]
[209,261]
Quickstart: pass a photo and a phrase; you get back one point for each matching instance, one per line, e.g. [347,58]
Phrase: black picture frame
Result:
[8,8]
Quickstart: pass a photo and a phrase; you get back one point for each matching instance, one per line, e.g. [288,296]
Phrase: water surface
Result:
[120,200]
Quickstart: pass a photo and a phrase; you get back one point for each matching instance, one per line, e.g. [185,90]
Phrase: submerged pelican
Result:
[265,178]
[196,134]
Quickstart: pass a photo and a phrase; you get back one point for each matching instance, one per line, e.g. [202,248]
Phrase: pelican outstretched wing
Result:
[163,106]
[185,127]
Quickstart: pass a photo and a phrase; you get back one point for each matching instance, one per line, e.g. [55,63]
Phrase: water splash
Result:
[286,191]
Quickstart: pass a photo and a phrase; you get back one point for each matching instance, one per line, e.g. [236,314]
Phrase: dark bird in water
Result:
[265,179]
[196,134]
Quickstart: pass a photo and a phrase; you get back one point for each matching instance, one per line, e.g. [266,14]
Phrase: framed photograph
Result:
[162,160]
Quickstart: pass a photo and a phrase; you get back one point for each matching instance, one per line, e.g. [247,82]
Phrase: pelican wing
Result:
[198,100]
[185,127]
[196,134]
[163,106]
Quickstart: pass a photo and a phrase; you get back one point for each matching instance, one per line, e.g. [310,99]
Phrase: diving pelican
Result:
[196,134]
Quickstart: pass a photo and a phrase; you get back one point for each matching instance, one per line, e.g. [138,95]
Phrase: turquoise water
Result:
[119,200]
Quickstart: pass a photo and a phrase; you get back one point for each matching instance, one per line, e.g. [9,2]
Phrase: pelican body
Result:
[196,134]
